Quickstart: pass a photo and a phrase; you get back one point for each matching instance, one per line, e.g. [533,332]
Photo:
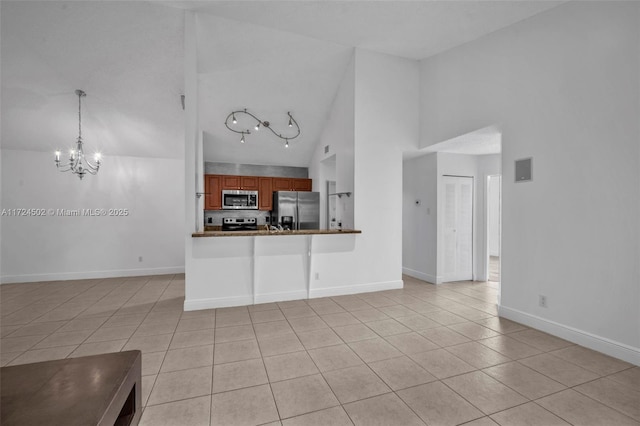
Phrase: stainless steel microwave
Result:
[234,199]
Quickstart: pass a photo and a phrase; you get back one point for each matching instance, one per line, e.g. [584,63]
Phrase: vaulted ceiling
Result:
[127,57]
[269,72]
[268,56]
[410,29]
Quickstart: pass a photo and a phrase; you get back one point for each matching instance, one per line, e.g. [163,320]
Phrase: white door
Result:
[458,228]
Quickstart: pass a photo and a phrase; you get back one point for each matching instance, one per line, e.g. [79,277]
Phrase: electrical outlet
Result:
[542,301]
[139,258]
[317,275]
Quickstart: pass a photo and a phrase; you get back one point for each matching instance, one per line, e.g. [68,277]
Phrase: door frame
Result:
[473,227]
[486,225]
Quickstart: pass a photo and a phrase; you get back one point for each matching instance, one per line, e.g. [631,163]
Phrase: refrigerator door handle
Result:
[296,220]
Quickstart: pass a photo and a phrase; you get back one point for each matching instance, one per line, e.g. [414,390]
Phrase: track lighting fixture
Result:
[259,124]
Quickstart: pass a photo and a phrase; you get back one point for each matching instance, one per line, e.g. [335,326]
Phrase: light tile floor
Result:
[421,355]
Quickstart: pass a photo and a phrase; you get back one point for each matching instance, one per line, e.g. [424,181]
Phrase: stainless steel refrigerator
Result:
[296,210]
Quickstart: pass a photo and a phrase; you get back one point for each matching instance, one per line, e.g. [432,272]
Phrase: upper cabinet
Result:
[265,193]
[281,184]
[301,184]
[291,184]
[215,184]
[247,183]
[213,192]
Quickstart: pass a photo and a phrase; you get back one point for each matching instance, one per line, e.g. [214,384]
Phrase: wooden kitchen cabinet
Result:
[215,184]
[245,183]
[281,184]
[301,184]
[249,183]
[230,182]
[265,193]
[213,192]
[291,184]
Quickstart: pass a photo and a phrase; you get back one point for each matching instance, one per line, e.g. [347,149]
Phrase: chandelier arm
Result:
[91,166]
[248,132]
[86,163]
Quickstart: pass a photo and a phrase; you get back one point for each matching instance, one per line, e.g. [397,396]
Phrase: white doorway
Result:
[327,177]
[494,226]
[458,228]
[331,205]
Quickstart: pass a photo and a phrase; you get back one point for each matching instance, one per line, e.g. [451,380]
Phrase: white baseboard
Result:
[354,289]
[419,275]
[597,343]
[221,302]
[115,273]
[224,302]
[280,297]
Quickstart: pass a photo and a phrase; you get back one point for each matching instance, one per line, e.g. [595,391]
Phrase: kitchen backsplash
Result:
[211,168]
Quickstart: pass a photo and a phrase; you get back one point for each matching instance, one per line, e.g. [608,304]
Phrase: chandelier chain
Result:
[79,116]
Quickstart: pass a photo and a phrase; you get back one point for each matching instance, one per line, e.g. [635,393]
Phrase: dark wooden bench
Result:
[91,390]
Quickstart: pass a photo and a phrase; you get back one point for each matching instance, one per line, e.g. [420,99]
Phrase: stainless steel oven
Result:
[234,199]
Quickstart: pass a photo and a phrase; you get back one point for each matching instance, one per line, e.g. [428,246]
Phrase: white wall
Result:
[564,87]
[385,123]
[339,133]
[54,247]
[419,221]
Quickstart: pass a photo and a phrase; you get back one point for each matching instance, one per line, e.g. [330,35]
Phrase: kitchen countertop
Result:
[262,232]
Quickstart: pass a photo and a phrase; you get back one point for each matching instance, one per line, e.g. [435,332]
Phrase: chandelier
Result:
[78,164]
[260,124]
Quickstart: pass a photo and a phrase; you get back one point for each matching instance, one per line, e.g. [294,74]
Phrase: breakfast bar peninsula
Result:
[260,266]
